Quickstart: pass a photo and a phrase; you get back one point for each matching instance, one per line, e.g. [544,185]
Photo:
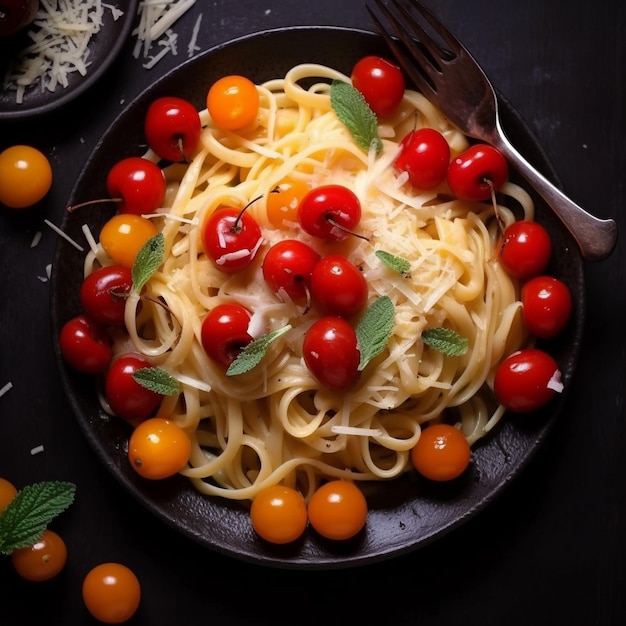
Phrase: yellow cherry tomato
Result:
[7,493]
[111,592]
[158,448]
[25,176]
[43,560]
[233,102]
[283,201]
[124,235]
[278,514]
[441,453]
[338,510]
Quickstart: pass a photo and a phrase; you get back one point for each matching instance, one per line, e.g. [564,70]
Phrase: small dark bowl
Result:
[406,513]
[104,47]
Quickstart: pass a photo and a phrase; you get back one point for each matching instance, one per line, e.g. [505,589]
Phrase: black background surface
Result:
[551,549]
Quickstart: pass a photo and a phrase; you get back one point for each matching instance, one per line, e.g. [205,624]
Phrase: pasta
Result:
[276,423]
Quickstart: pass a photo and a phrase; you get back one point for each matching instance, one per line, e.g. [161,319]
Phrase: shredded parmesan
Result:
[60,36]
[355,430]
[156,19]
[6,388]
[36,450]
[58,231]
[36,239]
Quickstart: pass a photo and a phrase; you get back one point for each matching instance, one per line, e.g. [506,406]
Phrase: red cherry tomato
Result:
[425,157]
[525,249]
[329,212]
[546,306]
[441,453]
[527,380]
[126,397]
[233,102]
[338,510]
[103,294]
[381,83]
[224,332]
[338,286]
[473,173]
[278,514]
[111,593]
[231,238]
[288,266]
[139,183]
[330,352]
[172,128]
[85,345]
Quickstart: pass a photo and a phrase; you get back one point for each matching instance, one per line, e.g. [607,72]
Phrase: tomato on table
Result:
[25,176]
[8,491]
[42,561]
[111,593]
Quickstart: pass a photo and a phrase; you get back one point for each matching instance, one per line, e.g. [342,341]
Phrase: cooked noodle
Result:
[276,423]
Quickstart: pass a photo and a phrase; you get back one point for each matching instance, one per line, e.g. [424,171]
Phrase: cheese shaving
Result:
[6,388]
[60,34]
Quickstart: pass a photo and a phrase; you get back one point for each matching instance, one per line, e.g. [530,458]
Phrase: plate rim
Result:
[274,558]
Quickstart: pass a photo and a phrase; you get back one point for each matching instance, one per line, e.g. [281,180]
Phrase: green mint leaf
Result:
[374,329]
[445,340]
[254,352]
[396,263]
[148,261]
[157,380]
[27,516]
[355,114]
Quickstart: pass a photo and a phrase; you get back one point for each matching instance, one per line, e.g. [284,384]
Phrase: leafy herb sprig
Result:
[446,341]
[157,380]
[355,114]
[374,329]
[148,260]
[27,515]
[254,352]
[396,263]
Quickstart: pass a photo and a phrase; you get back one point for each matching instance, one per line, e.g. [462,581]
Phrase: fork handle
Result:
[595,237]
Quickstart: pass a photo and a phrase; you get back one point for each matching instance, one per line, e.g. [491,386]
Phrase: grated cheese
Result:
[6,388]
[58,231]
[36,239]
[156,18]
[60,35]
[36,450]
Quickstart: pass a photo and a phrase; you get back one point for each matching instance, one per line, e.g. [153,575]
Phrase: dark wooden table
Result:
[551,549]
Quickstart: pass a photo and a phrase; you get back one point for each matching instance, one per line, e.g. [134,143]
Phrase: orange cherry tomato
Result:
[158,448]
[338,510]
[124,235]
[233,102]
[25,176]
[7,493]
[43,560]
[283,202]
[441,453]
[111,593]
[278,514]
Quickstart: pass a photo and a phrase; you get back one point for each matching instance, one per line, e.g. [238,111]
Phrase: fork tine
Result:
[417,74]
[456,47]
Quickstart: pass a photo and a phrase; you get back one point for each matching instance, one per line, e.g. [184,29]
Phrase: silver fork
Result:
[454,82]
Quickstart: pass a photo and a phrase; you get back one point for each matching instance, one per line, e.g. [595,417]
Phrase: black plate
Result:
[410,513]
[104,48]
